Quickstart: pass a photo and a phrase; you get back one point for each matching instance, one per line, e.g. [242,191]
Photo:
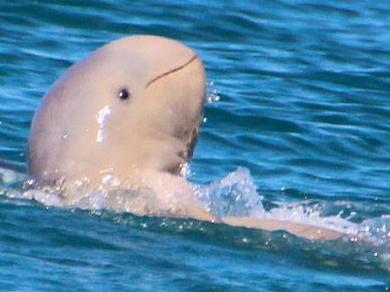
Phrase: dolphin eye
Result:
[124,94]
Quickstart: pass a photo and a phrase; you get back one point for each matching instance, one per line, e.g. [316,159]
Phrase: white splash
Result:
[101,120]
[212,94]
[234,195]
[9,177]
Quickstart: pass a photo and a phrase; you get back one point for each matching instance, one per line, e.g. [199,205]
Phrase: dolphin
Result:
[126,118]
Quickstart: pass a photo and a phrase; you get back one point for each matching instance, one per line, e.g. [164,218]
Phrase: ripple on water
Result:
[303,90]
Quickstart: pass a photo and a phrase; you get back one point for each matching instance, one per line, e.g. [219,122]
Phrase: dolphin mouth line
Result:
[170,71]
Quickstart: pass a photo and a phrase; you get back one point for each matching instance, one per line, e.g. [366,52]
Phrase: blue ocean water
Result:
[301,107]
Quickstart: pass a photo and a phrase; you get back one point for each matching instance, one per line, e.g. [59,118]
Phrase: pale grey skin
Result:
[84,137]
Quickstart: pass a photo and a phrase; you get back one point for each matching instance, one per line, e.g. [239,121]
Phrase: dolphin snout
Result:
[193,58]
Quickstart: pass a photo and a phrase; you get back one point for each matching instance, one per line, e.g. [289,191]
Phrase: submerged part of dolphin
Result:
[125,119]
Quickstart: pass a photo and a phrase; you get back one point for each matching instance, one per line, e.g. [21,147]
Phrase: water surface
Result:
[303,105]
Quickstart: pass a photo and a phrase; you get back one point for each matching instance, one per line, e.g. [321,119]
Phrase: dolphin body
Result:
[126,119]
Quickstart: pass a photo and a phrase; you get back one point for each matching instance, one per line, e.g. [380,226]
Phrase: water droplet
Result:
[212,95]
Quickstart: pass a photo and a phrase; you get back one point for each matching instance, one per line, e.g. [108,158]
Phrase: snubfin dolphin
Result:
[127,117]
[134,103]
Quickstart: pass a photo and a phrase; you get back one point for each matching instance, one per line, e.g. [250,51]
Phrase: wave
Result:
[233,195]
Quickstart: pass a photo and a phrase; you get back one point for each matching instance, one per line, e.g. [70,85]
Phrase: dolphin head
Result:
[134,103]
